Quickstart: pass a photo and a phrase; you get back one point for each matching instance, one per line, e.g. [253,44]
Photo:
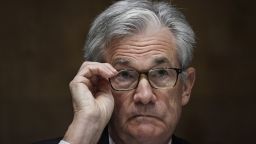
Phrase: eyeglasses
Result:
[158,78]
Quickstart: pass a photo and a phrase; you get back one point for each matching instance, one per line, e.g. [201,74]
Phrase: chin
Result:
[148,135]
[145,132]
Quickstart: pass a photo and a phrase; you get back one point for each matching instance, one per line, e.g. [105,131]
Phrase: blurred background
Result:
[41,50]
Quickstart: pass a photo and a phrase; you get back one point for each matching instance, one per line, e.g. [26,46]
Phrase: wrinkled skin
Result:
[141,116]
[147,115]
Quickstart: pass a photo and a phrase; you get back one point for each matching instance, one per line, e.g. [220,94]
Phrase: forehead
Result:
[144,49]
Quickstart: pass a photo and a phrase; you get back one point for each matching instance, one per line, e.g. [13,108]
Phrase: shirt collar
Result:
[112,142]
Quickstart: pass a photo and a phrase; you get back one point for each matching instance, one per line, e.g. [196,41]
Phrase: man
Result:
[136,76]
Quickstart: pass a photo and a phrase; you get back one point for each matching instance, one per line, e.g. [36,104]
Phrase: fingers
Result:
[89,76]
[81,79]
[93,102]
[90,69]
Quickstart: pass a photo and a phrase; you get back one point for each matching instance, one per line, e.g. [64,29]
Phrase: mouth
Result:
[144,117]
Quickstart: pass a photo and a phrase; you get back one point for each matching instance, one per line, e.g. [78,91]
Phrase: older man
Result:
[136,76]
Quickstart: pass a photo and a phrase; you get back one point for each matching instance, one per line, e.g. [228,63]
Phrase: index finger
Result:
[90,69]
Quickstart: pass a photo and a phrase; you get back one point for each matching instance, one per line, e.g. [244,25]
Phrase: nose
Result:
[144,93]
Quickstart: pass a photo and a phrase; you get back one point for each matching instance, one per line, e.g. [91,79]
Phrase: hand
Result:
[93,102]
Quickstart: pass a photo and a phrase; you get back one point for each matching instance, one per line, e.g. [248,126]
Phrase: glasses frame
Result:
[178,71]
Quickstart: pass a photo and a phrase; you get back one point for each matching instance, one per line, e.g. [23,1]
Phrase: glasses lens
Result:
[125,80]
[160,78]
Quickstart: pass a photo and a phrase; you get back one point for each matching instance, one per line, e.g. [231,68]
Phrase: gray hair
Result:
[128,17]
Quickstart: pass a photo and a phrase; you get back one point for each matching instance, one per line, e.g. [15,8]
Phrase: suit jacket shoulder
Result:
[177,140]
[49,141]
[105,140]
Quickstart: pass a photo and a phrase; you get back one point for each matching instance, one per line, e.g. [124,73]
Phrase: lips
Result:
[144,117]
[146,112]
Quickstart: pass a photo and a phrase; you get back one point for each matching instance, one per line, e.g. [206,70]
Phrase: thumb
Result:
[105,98]
[103,87]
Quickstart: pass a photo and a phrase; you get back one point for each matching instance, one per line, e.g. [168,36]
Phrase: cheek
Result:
[122,104]
[170,100]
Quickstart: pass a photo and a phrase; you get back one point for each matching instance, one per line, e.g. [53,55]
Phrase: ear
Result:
[188,85]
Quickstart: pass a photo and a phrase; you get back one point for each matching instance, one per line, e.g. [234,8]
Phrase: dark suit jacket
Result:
[105,140]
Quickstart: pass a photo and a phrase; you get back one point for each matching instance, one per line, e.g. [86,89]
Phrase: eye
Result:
[126,75]
[160,73]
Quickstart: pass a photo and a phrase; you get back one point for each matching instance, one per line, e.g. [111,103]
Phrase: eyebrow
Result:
[127,62]
[161,60]
[121,61]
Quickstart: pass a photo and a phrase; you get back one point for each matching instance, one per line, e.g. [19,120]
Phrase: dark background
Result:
[41,50]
